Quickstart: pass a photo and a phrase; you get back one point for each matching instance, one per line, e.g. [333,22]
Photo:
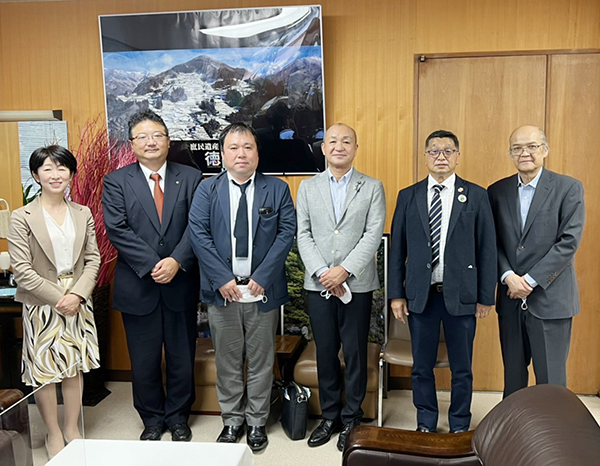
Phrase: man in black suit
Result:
[146,207]
[539,218]
[442,269]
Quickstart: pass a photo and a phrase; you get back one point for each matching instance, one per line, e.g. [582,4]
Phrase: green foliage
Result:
[295,311]
[28,195]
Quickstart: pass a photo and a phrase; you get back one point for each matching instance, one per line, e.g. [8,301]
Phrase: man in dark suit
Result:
[146,207]
[242,225]
[539,222]
[442,268]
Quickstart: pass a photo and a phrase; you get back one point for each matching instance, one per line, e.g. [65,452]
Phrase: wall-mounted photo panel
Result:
[202,70]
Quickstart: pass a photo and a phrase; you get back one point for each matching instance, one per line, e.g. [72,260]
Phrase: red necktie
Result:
[158,194]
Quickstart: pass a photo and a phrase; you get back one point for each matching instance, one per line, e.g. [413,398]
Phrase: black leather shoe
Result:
[458,431]
[257,438]
[323,432]
[152,433]
[181,432]
[231,434]
[345,432]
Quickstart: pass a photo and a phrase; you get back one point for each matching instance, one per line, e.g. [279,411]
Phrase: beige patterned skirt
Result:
[56,346]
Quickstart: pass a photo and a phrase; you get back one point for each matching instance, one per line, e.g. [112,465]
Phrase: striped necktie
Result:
[435,225]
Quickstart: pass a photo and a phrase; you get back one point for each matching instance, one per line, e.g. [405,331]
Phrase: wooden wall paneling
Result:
[573,119]
[50,55]
[10,169]
[481,100]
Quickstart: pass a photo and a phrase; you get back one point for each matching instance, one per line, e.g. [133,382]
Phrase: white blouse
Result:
[63,240]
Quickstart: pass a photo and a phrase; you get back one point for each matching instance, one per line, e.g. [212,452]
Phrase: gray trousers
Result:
[241,333]
[524,338]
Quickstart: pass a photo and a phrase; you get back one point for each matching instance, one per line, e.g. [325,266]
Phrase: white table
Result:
[137,453]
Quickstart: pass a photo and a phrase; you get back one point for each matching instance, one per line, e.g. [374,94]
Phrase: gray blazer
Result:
[352,242]
[545,248]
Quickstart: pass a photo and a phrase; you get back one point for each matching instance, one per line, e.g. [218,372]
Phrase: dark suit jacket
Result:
[141,240]
[469,256]
[547,245]
[273,234]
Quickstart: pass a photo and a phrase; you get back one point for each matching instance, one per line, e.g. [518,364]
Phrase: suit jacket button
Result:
[161,243]
[228,259]
[521,247]
[428,266]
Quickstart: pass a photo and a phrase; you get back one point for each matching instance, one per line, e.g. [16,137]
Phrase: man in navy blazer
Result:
[242,225]
[442,268]
[539,221]
[146,207]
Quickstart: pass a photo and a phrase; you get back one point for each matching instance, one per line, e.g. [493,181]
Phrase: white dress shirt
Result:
[241,267]
[447,197]
[162,171]
[63,240]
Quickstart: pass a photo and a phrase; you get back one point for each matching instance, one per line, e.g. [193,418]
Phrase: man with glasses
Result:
[539,222]
[146,207]
[442,269]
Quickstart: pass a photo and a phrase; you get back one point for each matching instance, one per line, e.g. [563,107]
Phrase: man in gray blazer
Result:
[341,214]
[539,219]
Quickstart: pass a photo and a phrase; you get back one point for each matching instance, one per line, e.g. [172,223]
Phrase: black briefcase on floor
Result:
[294,416]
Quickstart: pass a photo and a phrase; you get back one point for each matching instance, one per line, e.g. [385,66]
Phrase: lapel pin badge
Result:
[461,189]
[462,198]
[177,182]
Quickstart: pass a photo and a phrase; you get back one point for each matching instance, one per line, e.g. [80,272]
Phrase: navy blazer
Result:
[469,256]
[141,240]
[273,233]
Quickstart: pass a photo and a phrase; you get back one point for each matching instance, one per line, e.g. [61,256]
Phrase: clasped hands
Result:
[164,270]
[400,309]
[69,304]
[518,287]
[333,278]
[231,292]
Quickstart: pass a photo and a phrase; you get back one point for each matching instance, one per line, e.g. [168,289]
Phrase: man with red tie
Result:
[146,207]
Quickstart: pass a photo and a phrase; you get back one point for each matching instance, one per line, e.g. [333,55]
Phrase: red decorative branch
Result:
[97,156]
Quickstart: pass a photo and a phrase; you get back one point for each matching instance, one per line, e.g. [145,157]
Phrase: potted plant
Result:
[97,156]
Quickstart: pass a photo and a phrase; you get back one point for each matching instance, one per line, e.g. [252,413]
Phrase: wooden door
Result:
[573,127]
[481,100]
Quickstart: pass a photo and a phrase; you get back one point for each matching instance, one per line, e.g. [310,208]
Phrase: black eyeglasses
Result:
[435,153]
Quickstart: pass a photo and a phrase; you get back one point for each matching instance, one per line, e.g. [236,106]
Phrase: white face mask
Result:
[247,296]
[345,298]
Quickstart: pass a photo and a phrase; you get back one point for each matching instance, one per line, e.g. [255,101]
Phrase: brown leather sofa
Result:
[14,435]
[205,378]
[544,425]
[305,373]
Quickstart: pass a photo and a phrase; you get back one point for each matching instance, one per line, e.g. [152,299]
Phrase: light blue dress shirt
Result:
[526,193]
[338,189]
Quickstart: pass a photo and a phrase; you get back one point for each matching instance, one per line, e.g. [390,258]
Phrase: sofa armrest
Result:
[405,444]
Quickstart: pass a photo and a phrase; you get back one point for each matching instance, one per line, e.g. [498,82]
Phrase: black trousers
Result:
[334,325]
[147,335]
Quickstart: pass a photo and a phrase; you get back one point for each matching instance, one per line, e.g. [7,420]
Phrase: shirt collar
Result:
[448,182]
[231,178]
[161,171]
[533,183]
[343,179]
